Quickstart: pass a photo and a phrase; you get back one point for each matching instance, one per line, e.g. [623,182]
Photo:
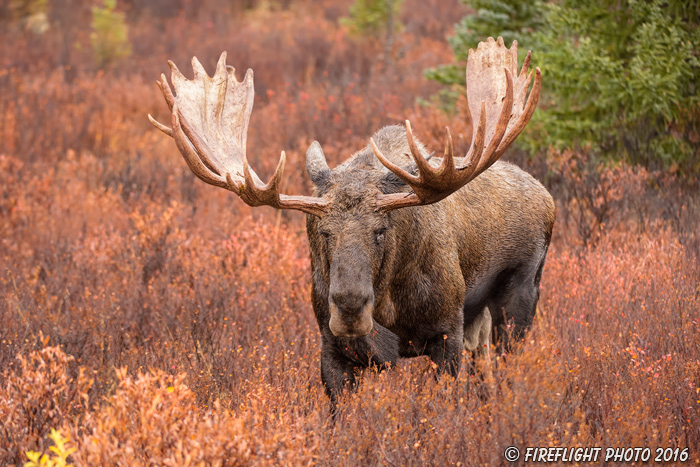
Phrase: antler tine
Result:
[398,171]
[448,159]
[169,99]
[424,167]
[223,73]
[486,159]
[530,107]
[167,92]
[160,126]
[477,149]
[175,73]
[198,69]
[255,195]
[526,63]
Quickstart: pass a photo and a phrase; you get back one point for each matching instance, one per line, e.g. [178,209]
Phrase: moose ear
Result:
[316,165]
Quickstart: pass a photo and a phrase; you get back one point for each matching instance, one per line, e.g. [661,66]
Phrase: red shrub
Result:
[190,311]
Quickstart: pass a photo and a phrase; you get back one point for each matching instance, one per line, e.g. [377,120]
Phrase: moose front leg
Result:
[445,349]
[444,346]
[342,357]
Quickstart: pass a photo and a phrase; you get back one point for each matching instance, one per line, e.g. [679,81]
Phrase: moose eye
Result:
[379,234]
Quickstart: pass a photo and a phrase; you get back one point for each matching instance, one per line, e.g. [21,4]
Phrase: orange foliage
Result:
[178,324]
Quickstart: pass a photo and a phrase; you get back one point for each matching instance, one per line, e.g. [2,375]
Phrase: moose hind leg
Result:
[477,340]
[512,314]
[477,334]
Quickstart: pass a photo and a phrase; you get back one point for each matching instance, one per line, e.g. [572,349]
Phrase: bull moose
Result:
[411,254]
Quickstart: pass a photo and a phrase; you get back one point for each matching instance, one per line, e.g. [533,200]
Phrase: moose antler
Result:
[485,89]
[210,126]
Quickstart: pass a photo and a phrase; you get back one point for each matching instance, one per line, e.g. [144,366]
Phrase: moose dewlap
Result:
[410,254]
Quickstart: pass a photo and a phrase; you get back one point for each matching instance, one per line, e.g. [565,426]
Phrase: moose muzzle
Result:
[351,297]
[351,321]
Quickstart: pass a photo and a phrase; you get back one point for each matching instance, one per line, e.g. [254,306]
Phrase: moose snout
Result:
[351,313]
[350,292]
[350,301]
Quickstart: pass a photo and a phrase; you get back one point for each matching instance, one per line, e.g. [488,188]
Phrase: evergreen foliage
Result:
[373,17]
[110,34]
[620,79]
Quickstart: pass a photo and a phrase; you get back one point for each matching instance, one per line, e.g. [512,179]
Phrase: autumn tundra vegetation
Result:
[147,318]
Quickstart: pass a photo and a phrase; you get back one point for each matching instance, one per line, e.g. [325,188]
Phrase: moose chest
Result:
[422,304]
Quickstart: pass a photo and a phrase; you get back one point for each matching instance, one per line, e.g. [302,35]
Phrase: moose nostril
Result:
[350,301]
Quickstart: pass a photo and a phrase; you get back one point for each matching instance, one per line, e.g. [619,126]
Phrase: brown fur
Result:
[416,287]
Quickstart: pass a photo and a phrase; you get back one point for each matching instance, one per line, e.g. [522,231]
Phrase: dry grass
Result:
[159,321]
